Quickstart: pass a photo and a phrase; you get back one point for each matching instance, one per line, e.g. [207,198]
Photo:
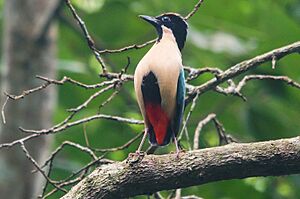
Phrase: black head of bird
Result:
[174,22]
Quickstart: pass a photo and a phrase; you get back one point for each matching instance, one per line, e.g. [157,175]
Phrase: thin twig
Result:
[77,83]
[188,116]
[139,46]
[124,70]
[85,135]
[236,89]
[83,171]
[92,97]
[109,99]
[274,62]
[88,38]
[31,159]
[59,82]
[27,92]
[186,133]
[285,79]
[2,110]
[81,121]
[199,127]
[134,46]
[124,146]
[191,197]
[19,141]
[243,67]
[86,167]
[221,132]
[196,7]
[72,144]
[196,72]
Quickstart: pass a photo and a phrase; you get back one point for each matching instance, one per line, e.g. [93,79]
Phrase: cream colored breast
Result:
[164,60]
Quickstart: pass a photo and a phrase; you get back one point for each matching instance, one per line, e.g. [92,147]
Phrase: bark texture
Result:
[29,50]
[163,172]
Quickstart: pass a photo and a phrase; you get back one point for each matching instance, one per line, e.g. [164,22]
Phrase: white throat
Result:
[167,34]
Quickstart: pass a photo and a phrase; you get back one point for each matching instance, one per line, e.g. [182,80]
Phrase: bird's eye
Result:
[166,19]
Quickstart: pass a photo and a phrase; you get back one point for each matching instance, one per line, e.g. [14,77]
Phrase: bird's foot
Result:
[178,153]
[135,157]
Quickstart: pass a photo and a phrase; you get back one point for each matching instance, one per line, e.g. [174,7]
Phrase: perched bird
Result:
[159,80]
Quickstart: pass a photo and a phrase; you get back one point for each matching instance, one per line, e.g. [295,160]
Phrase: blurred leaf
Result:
[89,6]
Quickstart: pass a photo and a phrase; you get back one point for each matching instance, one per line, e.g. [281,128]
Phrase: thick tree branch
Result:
[163,172]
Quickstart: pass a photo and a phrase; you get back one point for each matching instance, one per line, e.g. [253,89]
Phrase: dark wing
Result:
[179,102]
[151,94]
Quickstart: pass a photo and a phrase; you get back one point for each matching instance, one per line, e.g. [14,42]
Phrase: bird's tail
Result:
[152,138]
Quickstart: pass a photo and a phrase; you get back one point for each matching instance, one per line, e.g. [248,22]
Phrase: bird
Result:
[159,81]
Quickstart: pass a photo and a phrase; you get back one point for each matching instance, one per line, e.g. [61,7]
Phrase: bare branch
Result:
[82,171]
[2,110]
[134,46]
[196,7]
[230,90]
[223,138]
[86,138]
[165,172]
[199,127]
[30,158]
[124,70]
[285,79]
[236,89]
[196,72]
[188,116]
[126,145]
[116,75]
[88,38]
[243,67]
[92,97]
[27,92]
[77,83]
[72,144]
[81,121]
[19,141]
[186,133]
[191,197]
[110,98]
[274,62]
[221,132]
[139,46]
[59,82]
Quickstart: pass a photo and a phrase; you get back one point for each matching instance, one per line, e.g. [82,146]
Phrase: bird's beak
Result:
[151,20]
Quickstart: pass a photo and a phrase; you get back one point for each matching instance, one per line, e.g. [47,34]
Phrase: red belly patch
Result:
[158,119]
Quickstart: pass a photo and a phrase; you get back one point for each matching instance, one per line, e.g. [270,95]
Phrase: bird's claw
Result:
[135,157]
[178,153]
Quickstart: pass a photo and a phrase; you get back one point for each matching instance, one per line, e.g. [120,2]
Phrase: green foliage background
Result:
[272,110]
[249,28]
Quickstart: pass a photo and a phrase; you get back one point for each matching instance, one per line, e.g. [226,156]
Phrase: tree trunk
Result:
[29,50]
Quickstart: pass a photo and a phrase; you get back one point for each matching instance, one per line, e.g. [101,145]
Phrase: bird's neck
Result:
[167,35]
